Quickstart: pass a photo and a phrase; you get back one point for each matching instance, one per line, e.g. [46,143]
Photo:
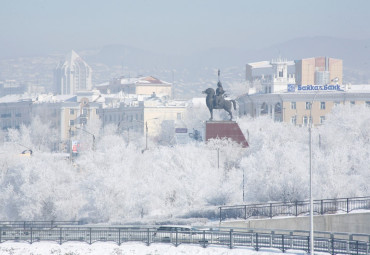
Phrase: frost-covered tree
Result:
[118,181]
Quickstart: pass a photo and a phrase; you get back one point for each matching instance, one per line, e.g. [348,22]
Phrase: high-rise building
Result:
[72,75]
[319,71]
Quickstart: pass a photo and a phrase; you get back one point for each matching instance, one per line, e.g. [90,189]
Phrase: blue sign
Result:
[300,88]
[181,130]
[291,87]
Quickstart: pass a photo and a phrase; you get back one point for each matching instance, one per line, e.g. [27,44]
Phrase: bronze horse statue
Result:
[223,103]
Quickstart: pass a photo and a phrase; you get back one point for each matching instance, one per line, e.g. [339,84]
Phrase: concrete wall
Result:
[349,223]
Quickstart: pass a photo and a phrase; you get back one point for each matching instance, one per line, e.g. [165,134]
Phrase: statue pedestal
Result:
[225,129]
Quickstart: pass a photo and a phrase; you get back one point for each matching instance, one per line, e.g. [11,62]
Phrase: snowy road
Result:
[105,248]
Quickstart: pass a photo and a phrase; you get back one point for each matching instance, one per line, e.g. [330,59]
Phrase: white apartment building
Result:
[272,76]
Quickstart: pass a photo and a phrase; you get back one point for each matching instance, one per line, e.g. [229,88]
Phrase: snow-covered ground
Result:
[105,248]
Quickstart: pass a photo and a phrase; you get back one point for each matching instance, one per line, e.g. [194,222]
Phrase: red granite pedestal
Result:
[225,129]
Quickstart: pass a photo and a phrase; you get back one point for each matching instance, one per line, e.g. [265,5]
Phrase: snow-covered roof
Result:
[260,64]
[16,98]
[267,64]
[143,80]
[358,88]
[50,98]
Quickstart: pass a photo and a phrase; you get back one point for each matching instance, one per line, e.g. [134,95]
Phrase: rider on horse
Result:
[219,94]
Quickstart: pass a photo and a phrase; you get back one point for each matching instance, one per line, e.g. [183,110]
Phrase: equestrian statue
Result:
[217,100]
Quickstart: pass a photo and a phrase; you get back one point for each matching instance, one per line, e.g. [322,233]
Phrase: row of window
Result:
[9,115]
[293,105]
[84,111]
[306,120]
[123,117]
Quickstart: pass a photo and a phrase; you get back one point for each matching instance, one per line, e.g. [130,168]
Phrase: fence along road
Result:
[334,243]
[270,210]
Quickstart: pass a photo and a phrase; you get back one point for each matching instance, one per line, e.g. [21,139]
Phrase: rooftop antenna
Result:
[218,75]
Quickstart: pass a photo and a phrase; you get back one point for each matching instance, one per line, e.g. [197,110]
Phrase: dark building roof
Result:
[225,129]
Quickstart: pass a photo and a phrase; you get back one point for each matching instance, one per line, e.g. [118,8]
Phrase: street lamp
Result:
[93,136]
[311,177]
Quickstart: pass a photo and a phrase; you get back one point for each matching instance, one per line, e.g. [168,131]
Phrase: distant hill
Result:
[194,72]
[355,55]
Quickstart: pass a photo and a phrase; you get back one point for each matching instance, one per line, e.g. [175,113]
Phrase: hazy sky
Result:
[176,26]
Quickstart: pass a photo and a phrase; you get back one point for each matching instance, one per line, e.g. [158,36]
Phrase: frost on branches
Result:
[117,181]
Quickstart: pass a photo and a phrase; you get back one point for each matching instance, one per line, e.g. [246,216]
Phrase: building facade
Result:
[319,71]
[272,76]
[136,116]
[300,108]
[15,111]
[137,86]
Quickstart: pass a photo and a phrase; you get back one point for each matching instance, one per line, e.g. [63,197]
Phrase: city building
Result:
[319,71]
[72,75]
[148,85]
[302,107]
[313,89]
[15,110]
[272,76]
[11,87]
[137,113]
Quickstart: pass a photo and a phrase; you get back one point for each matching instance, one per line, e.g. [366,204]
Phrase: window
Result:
[18,115]
[368,103]
[293,120]
[322,105]
[71,122]
[322,119]
[353,102]
[179,116]
[308,105]
[305,121]
[71,111]
[84,111]
[293,105]
[336,103]
[6,115]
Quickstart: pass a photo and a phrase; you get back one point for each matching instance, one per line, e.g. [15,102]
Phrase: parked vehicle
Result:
[171,233]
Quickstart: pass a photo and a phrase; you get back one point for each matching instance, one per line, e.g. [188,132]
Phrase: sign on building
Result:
[181,135]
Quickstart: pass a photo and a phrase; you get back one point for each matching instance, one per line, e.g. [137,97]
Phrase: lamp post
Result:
[93,136]
[146,135]
[311,177]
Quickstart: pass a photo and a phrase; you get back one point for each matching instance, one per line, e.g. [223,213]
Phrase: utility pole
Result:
[218,158]
[70,144]
[146,136]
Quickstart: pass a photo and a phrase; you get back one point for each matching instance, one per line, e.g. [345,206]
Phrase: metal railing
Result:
[270,210]
[36,224]
[280,239]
